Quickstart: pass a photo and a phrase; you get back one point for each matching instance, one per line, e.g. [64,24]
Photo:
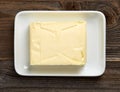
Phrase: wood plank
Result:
[9,8]
[10,81]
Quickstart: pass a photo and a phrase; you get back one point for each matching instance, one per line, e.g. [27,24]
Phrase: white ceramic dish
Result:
[96,36]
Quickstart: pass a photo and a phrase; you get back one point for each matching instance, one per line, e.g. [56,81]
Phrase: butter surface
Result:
[58,43]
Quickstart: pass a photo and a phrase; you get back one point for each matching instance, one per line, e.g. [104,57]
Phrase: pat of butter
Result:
[58,43]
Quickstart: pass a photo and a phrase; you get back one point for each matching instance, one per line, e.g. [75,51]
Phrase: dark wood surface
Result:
[11,82]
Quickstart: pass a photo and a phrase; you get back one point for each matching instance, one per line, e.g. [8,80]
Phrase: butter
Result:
[58,43]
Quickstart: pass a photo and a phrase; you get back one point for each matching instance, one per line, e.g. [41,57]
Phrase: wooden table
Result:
[12,82]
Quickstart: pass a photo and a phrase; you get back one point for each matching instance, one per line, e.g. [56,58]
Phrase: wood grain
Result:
[11,82]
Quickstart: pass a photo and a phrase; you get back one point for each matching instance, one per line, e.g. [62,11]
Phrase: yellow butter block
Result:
[58,43]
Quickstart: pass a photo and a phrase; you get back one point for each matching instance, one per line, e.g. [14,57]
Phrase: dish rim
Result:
[64,11]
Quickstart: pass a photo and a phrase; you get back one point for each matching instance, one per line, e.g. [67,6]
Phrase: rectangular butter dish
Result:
[95,49]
